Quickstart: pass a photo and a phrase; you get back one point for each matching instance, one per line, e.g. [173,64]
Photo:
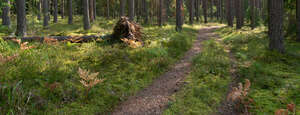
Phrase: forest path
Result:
[154,99]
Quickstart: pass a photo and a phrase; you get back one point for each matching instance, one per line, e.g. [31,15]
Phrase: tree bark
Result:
[131,10]
[21,18]
[122,7]
[107,9]
[276,12]
[160,13]
[298,20]
[204,5]
[211,5]
[70,12]
[238,14]
[86,20]
[197,10]
[39,7]
[95,9]
[62,9]
[191,12]
[229,13]
[6,14]
[91,10]
[45,13]
[178,15]
[252,13]
[145,11]
[55,11]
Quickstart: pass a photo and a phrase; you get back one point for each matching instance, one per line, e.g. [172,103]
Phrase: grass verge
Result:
[44,80]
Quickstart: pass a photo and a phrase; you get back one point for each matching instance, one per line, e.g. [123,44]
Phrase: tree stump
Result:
[127,32]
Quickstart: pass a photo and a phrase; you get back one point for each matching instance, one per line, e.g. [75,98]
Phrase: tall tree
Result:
[6,14]
[229,13]
[91,10]
[239,13]
[70,12]
[95,13]
[204,7]
[39,7]
[197,9]
[252,13]
[298,20]
[211,9]
[55,11]
[276,12]
[45,13]
[131,10]
[145,11]
[86,20]
[178,15]
[62,9]
[21,18]
[192,11]
[218,5]
[160,13]
[107,9]
[122,7]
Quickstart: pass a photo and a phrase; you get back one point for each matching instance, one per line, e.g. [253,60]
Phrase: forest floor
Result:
[231,58]
[154,99]
[44,79]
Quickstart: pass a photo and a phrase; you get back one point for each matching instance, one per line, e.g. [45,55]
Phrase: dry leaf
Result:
[291,107]
[281,112]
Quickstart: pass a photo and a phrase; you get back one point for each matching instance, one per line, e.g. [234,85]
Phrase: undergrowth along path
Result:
[154,99]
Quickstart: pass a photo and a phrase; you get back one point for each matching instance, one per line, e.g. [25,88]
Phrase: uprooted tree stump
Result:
[128,32]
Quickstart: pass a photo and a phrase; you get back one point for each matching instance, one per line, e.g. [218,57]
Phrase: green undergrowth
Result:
[44,79]
[207,83]
[275,77]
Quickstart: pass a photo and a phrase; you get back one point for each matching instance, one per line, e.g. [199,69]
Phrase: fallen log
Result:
[72,39]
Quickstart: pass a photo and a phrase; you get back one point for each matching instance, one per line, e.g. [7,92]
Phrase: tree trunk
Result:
[197,10]
[218,9]
[21,18]
[298,20]
[122,7]
[131,10]
[204,5]
[6,14]
[45,13]
[211,9]
[192,6]
[243,11]
[160,13]
[276,12]
[229,13]
[62,9]
[107,9]
[145,11]
[91,10]
[252,13]
[238,11]
[55,11]
[70,12]
[39,7]
[178,15]
[86,20]
[95,9]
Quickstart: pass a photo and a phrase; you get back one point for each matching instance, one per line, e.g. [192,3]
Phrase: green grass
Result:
[275,77]
[23,81]
[207,84]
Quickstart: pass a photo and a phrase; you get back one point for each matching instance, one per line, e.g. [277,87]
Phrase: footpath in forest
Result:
[154,99]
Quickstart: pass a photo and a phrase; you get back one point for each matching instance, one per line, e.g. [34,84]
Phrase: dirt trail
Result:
[154,98]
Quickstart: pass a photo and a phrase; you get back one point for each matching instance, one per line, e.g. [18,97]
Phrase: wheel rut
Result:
[153,100]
